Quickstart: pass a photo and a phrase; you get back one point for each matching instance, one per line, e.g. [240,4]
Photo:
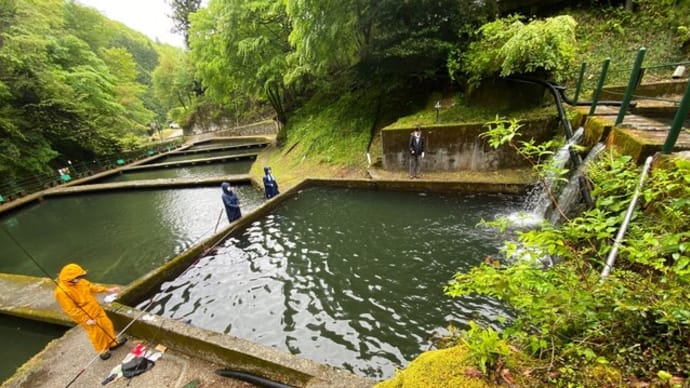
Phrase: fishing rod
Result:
[57,284]
[122,332]
[40,267]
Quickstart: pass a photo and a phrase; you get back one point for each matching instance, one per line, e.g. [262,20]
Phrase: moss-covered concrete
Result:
[651,89]
[150,184]
[192,162]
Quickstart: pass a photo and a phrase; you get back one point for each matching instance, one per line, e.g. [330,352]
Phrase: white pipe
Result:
[624,226]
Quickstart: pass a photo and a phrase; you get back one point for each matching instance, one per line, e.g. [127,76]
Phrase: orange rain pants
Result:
[77,300]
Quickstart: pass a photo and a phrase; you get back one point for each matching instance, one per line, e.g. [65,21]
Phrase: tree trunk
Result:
[629,5]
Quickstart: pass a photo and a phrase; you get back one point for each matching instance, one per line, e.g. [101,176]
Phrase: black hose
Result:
[251,378]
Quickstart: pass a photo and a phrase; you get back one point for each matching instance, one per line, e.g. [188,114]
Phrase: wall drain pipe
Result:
[624,226]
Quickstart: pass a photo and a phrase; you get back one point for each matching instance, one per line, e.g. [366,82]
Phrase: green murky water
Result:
[21,340]
[204,155]
[351,278]
[199,171]
[116,236]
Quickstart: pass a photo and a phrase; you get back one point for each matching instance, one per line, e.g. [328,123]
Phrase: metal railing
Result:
[13,188]
[637,74]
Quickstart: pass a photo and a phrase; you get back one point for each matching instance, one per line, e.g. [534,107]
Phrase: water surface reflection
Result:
[347,277]
[116,236]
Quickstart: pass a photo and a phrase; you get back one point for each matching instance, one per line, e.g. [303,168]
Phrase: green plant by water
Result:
[577,328]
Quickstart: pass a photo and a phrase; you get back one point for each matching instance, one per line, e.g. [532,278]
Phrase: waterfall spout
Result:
[538,206]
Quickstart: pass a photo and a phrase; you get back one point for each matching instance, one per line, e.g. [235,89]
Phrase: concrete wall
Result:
[459,147]
[266,127]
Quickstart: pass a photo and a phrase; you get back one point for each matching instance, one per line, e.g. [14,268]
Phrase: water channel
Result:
[116,236]
[351,278]
[198,171]
[182,157]
[21,340]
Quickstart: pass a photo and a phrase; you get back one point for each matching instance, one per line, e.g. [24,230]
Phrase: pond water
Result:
[206,155]
[198,171]
[21,340]
[351,278]
[221,144]
[116,236]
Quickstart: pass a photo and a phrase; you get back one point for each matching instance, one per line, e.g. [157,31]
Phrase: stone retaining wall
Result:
[459,147]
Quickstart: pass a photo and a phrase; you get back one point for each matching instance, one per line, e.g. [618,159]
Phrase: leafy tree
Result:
[181,11]
[507,46]
[240,51]
[66,87]
[173,80]
[387,37]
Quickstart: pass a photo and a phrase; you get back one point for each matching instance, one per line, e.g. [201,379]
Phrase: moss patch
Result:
[436,368]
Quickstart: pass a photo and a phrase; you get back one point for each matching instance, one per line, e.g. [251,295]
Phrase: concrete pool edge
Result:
[242,354]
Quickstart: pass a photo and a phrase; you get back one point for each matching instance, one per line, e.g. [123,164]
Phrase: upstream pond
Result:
[198,171]
[116,236]
[351,278]
[183,157]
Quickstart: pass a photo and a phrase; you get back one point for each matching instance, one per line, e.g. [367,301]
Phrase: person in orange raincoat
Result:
[75,295]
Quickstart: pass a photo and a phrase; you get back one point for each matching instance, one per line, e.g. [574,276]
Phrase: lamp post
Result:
[438,108]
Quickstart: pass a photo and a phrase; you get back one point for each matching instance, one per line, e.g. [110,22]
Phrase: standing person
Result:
[231,202]
[270,184]
[75,295]
[416,147]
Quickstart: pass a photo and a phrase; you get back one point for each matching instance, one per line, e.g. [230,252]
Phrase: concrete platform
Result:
[245,179]
[71,356]
[32,298]
[638,136]
[192,355]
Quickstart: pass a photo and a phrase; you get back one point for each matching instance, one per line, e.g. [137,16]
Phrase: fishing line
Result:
[122,332]
[40,267]
[45,272]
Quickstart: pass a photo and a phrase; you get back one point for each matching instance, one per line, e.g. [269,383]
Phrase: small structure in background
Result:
[678,72]
[64,174]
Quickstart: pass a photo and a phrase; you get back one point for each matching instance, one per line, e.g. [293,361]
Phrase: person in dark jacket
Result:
[270,184]
[416,147]
[231,202]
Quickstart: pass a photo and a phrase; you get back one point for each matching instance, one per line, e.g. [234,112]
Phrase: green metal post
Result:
[600,85]
[632,84]
[677,124]
[578,87]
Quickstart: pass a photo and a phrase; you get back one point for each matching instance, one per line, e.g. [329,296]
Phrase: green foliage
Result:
[380,38]
[485,347]
[638,319]
[240,52]
[507,46]
[612,32]
[70,84]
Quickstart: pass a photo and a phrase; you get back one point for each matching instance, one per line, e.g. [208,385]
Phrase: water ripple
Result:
[346,277]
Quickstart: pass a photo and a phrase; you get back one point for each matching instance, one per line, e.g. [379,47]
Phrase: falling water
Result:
[571,194]
[539,200]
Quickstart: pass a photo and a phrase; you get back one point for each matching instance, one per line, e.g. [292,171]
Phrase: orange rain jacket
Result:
[77,300]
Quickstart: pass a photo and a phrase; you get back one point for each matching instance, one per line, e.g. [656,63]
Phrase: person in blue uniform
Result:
[270,184]
[231,202]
